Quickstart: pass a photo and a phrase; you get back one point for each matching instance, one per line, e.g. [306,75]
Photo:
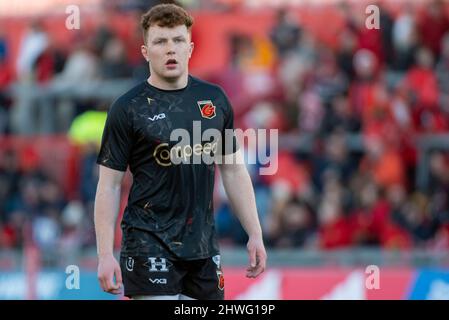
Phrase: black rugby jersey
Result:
[170,206]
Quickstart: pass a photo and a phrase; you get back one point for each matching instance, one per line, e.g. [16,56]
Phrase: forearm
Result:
[239,190]
[107,204]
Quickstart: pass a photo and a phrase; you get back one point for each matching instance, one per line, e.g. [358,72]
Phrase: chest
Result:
[167,118]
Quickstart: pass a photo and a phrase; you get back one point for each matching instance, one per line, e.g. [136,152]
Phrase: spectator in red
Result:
[6,75]
[433,24]
[372,220]
[368,39]
[421,82]
[370,211]
[335,229]
[361,91]
[6,78]
[383,162]
[49,63]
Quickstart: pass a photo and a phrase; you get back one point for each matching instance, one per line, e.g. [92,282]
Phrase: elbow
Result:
[234,172]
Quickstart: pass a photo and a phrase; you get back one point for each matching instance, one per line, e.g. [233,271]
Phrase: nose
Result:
[170,48]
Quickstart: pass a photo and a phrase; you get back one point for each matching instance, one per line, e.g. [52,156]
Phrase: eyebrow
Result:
[163,38]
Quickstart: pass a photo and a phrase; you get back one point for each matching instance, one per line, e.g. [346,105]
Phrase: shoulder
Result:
[127,99]
[215,92]
[197,82]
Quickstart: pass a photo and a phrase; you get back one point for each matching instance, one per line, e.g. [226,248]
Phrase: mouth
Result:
[171,63]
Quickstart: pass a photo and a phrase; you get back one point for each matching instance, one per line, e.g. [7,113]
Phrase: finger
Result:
[250,274]
[102,283]
[252,257]
[118,277]
[115,291]
[110,285]
[262,257]
[113,286]
[260,267]
[251,271]
[258,271]
[255,272]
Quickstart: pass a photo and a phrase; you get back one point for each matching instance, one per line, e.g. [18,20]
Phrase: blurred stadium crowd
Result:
[363,103]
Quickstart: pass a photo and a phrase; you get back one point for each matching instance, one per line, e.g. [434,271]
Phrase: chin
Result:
[172,76]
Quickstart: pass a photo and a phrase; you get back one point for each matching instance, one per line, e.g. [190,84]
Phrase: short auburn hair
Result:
[165,15]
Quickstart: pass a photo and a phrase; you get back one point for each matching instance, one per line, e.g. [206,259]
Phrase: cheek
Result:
[157,60]
[154,53]
[186,54]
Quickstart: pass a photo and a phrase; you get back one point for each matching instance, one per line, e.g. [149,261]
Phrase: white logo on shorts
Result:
[216,259]
[157,264]
[130,264]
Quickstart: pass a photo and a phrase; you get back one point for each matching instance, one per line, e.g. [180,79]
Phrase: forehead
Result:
[156,31]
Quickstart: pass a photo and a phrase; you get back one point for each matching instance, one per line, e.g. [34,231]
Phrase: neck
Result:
[165,84]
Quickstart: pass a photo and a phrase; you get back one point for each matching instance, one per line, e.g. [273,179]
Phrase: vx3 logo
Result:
[158,281]
[157,117]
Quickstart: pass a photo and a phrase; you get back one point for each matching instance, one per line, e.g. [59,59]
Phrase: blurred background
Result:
[363,120]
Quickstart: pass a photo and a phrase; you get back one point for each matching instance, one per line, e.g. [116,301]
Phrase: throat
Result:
[169,83]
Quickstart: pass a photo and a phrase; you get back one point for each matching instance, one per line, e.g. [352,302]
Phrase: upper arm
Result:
[110,178]
[228,142]
[231,163]
[117,139]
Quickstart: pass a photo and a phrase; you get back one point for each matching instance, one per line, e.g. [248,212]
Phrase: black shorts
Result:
[199,279]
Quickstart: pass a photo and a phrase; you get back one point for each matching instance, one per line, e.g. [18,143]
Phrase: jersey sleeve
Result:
[116,141]
[229,143]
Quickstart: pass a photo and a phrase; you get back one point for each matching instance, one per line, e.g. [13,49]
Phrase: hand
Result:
[108,267]
[257,257]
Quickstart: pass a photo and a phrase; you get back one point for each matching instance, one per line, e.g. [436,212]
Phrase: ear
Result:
[144,50]
[192,46]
